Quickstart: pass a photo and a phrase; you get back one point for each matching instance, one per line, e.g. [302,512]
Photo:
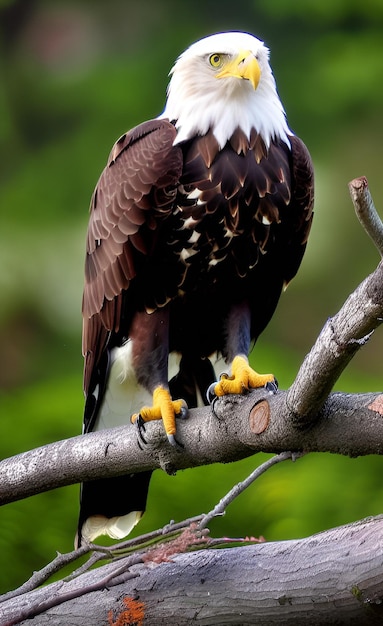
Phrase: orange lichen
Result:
[133,615]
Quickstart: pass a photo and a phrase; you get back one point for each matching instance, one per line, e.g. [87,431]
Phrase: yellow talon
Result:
[243,378]
[163,408]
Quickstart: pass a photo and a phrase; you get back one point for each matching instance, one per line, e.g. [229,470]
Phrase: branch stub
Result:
[259,417]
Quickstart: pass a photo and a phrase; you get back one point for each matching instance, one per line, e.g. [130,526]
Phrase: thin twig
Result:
[225,542]
[53,600]
[41,576]
[94,558]
[220,508]
[143,540]
[366,211]
[139,544]
[141,554]
[98,553]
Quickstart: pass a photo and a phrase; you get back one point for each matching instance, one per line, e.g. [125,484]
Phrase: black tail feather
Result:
[112,497]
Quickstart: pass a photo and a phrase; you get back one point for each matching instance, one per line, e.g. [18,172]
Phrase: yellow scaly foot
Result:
[163,408]
[242,378]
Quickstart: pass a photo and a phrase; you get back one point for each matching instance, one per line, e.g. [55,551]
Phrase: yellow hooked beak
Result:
[245,65]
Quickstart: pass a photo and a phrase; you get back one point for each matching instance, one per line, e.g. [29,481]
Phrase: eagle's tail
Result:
[113,506]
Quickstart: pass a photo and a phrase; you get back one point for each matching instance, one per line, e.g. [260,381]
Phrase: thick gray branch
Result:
[318,580]
[349,424]
[341,337]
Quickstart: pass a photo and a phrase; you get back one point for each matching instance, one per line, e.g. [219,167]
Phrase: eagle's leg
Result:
[149,333]
[238,341]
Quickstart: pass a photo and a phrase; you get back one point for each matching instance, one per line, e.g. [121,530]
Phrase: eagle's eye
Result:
[216,60]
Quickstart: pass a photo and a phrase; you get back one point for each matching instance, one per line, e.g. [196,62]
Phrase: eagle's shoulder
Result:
[137,186]
[159,133]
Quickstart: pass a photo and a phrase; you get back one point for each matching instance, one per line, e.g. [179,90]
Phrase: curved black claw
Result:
[210,393]
[183,414]
[140,425]
[176,444]
[171,438]
[272,386]
[212,398]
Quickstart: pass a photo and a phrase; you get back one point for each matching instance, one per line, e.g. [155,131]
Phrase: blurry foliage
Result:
[74,77]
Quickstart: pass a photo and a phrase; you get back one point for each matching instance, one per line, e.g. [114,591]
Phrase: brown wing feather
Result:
[303,175]
[135,191]
[301,207]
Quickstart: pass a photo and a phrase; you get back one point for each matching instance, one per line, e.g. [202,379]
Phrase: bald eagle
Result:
[198,221]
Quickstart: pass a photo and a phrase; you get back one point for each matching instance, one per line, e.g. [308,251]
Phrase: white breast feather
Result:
[124,396]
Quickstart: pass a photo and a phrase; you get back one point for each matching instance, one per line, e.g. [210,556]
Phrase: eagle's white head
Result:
[223,82]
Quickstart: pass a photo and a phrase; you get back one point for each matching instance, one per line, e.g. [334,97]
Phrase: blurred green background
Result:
[74,77]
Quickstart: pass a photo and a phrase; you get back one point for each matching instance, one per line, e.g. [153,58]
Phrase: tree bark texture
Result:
[335,577]
[348,424]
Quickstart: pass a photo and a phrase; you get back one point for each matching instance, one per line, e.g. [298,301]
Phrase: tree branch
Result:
[341,337]
[366,211]
[220,508]
[348,424]
[317,580]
